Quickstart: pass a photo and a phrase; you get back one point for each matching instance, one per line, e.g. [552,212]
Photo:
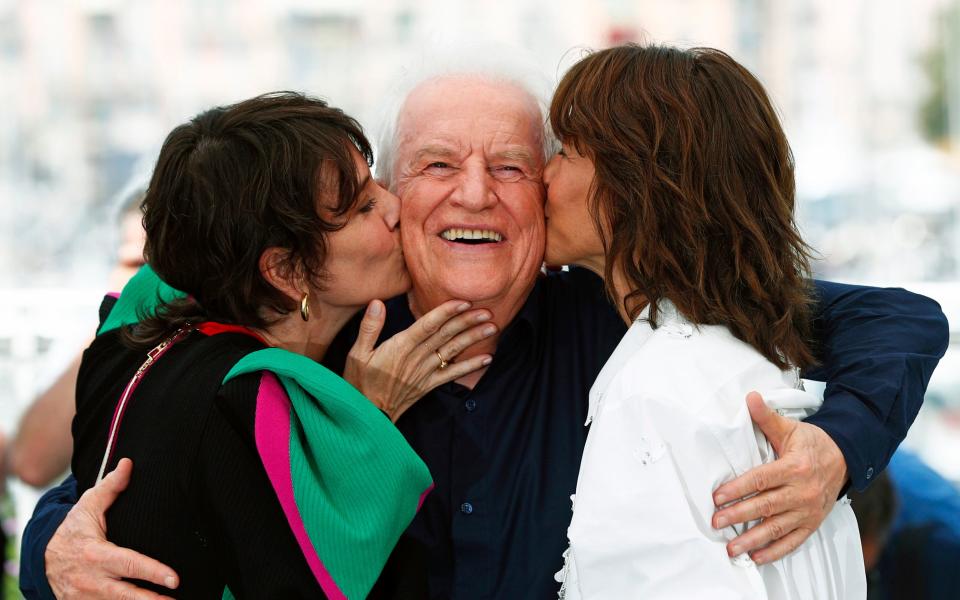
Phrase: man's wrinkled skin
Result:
[82,564]
[470,154]
[794,494]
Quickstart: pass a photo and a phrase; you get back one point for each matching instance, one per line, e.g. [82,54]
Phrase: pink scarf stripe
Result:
[423,497]
[272,433]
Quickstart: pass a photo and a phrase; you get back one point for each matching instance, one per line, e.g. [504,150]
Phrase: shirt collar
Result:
[527,323]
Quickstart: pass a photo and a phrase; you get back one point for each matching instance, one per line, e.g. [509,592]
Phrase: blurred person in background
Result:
[40,450]
[910,530]
[465,149]
[6,531]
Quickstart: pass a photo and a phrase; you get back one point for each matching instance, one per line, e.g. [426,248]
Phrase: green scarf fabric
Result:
[140,298]
[348,482]
[347,479]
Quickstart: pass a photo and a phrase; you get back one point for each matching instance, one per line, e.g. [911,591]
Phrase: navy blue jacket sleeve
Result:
[877,350]
[47,516]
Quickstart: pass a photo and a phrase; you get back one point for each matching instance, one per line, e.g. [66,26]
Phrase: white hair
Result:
[486,62]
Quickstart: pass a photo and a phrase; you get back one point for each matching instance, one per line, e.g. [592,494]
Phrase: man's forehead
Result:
[451,133]
[454,117]
[451,89]
[439,105]
[454,147]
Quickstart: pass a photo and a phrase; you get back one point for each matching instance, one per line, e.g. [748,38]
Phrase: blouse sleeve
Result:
[246,526]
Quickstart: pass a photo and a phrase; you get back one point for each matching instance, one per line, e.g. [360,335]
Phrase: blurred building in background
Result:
[869,91]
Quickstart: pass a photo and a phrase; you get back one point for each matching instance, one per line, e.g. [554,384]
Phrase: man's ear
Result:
[276,269]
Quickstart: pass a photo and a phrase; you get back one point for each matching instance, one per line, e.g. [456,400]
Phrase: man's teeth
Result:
[470,234]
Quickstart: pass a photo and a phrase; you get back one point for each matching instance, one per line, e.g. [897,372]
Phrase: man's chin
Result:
[473,287]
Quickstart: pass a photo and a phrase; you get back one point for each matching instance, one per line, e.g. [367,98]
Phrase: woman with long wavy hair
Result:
[676,184]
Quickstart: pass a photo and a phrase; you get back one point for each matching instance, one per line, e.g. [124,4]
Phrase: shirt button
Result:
[869,472]
[466,508]
[470,405]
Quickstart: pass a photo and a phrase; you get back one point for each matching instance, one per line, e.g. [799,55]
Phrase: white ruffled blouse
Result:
[669,425]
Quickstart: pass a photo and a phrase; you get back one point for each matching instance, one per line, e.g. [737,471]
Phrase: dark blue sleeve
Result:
[47,516]
[877,349]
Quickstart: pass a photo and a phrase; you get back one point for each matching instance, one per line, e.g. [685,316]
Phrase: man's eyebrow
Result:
[433,150]
[518,154]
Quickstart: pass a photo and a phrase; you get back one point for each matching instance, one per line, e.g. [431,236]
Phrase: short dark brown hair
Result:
[694,190]
[236,180]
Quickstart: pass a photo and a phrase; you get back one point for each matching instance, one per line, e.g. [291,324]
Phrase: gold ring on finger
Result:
[443,363]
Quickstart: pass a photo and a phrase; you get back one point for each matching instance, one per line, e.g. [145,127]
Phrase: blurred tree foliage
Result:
[935,109]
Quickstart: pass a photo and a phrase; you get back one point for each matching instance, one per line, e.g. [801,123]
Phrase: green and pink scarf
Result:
[348,482]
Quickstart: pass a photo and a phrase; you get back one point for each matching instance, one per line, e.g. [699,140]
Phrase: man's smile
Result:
[471,236]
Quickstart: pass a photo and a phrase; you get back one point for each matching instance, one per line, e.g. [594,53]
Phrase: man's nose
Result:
[549,170]
[390,209]
[475,190]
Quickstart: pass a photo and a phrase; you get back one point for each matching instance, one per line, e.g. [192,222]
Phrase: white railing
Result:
[40,331]
[34,322]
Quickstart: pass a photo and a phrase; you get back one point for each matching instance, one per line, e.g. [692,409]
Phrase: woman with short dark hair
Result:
[258,472]
[678,162]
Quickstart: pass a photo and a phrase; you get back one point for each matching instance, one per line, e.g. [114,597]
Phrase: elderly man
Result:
[504,445]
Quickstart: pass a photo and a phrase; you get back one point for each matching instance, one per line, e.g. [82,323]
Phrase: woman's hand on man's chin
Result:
[404,368]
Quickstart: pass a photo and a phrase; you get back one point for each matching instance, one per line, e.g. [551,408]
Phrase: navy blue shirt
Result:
[505,455]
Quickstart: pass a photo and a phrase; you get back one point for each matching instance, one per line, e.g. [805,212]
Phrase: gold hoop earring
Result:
[304,307]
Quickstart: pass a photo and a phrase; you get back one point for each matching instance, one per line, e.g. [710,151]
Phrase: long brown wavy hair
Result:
[694,191]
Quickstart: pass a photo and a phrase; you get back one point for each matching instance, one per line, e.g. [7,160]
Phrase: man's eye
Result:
[439,168]
[507,173]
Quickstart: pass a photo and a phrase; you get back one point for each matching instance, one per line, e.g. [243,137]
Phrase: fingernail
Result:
[483,317]
[720,499]
[721,522]
[486,361]
[736,550]
[170,582]
[375,309]
[488,331]
[463,307]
